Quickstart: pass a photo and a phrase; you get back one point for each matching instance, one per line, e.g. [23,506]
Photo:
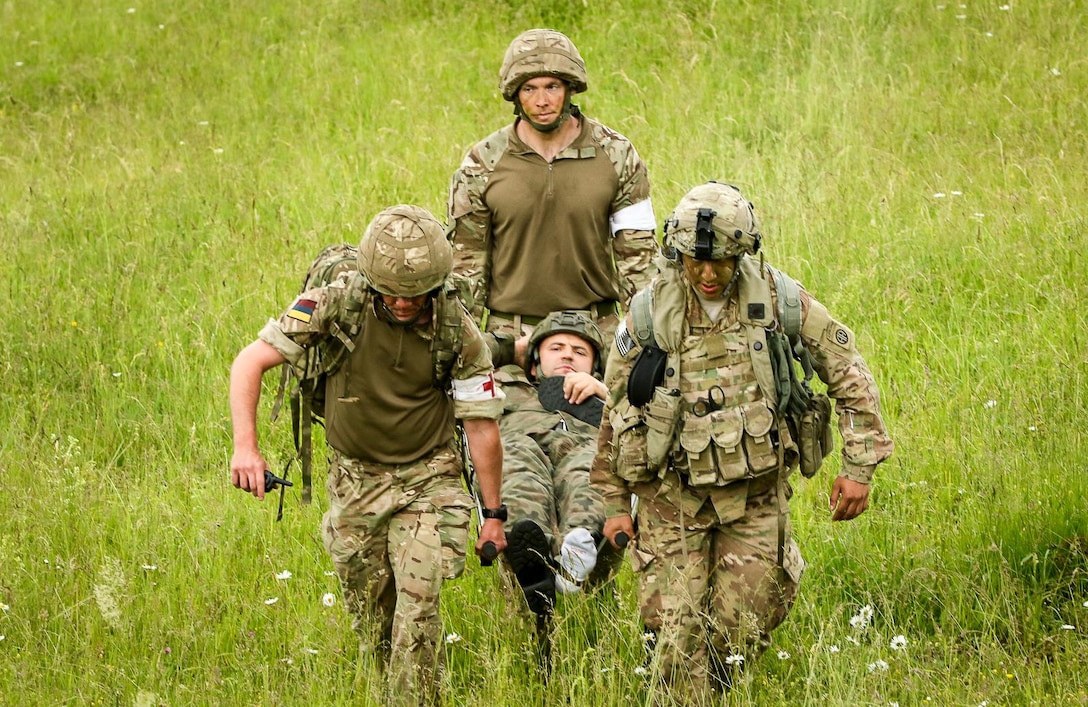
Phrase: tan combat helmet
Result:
[404,252]
[713,222]
[541,52]
[570,321]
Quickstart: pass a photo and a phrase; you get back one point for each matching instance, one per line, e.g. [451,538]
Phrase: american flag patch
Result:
[302,310]
[624,341]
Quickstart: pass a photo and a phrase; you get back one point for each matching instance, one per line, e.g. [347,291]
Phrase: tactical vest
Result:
[716,415]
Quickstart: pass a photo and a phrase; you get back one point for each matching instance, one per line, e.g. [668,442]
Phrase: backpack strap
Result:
[642,318]
[448,334]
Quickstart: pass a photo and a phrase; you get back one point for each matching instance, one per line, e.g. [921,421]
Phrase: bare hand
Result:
[491,531]
[619,524]
[579,387]
[247,471]
[848,500]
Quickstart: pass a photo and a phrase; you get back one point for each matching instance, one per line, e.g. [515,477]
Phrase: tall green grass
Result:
[168,169]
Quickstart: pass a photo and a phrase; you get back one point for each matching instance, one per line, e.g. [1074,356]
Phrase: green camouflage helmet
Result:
[713,222]
[541,52]
[570,321]
[404,252]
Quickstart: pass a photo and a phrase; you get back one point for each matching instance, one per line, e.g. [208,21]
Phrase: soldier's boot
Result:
[529,554]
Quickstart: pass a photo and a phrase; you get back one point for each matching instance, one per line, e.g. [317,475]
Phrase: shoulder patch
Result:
[302,310]
[624,341]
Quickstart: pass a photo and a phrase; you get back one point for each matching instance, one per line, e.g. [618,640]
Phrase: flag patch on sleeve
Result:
[624,341]
[302,310]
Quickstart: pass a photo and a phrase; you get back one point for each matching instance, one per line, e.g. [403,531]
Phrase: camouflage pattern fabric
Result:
[707,556]
[395,534]
[708,589]
[625,228]
[546,460]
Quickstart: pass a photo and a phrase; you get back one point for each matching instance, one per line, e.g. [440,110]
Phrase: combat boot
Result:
[529,554]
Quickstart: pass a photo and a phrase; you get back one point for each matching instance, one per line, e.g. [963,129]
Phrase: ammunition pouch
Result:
[814,438]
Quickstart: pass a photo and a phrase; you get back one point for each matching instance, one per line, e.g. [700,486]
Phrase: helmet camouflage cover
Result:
[404,252]
[712,222]
[570,321]
[541,52]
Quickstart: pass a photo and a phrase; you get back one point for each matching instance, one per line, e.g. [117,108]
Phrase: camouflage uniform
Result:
[398,518]
[588,245]
[547,456]
[717,566]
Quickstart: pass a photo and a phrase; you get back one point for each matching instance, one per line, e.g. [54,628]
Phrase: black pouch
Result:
[647,373]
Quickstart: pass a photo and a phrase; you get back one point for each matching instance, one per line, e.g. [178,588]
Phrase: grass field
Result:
[167,170]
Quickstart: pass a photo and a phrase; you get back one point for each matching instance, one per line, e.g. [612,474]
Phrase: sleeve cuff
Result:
[863,474]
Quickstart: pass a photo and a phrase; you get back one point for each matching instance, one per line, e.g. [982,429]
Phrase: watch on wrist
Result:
[496,513]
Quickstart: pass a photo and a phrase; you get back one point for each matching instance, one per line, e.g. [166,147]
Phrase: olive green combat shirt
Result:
[382,404]
[537,237]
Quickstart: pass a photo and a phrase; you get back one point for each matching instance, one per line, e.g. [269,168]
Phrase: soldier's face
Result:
[565,353]
[405,309]
[708,277]
[542,99]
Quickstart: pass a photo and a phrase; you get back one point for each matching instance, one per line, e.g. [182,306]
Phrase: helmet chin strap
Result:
[569,109]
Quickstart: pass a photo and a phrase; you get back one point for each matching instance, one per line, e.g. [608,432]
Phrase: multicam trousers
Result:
[395,533]
[710,590]
[546,479]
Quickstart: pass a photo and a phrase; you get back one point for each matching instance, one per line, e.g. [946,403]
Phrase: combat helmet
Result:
[541,52]
[404,252]
[570,321]
[713,222]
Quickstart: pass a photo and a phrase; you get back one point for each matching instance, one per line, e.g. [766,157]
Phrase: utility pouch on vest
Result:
[713,445]
[814,439]
[661,416]
[629,444]
[647,373]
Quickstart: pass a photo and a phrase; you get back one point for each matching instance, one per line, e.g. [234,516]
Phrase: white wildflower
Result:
[860,621]
[649,635]
[734,659]
[990,404]
[271,601]
[4,607]
[329,599]
[2,636]
[939,195]
[131,11]
[899,643]
[1055,71]
[641,670]
[149,568]
[878,665]
[832,649]
[311,651]
[783,655]
[452,638]
[1005,8]
[286,574]
[330,573]
[1068,627]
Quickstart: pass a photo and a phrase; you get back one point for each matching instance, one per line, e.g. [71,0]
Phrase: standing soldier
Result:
[398,517]
[702,426]
[552,212]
